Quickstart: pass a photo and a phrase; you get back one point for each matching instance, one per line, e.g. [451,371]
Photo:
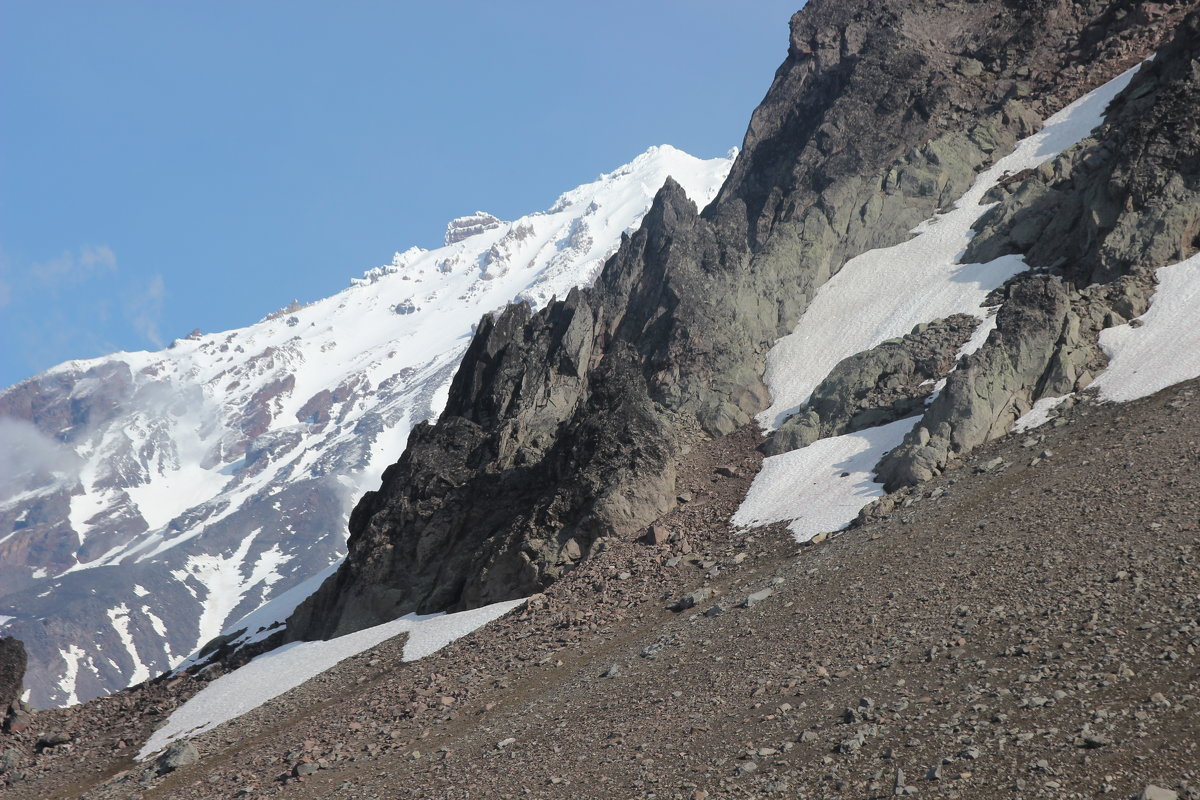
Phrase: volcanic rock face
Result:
[563,426]
[1101,218]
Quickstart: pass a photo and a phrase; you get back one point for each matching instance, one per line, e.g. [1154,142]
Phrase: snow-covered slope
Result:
[153,499]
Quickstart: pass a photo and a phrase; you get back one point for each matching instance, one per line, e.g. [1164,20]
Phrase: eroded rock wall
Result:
[1099,219]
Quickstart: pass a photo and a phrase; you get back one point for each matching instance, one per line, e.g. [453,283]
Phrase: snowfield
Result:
[821,487]
[1165,348]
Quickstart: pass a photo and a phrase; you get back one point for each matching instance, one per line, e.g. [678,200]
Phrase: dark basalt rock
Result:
[565,425]
[1101,217]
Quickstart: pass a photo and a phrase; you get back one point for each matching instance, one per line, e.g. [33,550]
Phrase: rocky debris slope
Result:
[562,426]
[1099,219]
[1024,625]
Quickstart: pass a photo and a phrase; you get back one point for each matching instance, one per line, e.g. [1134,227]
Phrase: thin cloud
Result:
[74,268]
[144,309]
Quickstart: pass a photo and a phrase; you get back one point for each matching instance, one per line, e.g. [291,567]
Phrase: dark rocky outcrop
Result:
[12,671]
[1100,218]
[888,382]
[564,426]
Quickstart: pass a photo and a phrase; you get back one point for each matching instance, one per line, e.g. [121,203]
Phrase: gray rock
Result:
[53,739]
[1152,792]
[754,598]
[177,756]
[658,534]
[886,383]
[13,662]
[692,599]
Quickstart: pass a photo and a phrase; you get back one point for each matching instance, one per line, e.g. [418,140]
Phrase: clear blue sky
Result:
[172,165]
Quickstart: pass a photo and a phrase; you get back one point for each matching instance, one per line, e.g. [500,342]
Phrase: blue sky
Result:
[166,166]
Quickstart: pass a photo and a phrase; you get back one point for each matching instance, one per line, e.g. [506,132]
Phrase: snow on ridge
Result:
[883,294]
[285,668]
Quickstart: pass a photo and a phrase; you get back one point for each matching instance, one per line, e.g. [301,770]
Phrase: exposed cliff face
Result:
[1100,218]
[563,427]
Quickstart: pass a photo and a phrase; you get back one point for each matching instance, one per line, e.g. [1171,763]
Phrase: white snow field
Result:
[821,487]
[1165,349]
[876,296]
[285,668]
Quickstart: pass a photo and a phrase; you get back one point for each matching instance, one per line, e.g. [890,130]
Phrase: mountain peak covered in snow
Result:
[161,496]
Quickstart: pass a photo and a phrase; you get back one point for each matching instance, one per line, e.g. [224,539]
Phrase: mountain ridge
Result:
[682,317]
[219,473]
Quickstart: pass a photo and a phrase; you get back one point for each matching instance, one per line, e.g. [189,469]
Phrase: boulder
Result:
[178,755]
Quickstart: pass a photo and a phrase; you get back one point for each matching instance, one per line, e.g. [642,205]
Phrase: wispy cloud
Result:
[70,269]
[30,457]
[57,309]
[144,309]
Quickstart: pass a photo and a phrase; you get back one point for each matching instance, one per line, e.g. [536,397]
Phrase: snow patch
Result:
[73,655]
[225,585]
[119,617]
[823,486]
[1038,415]
[274,673]
[1165,348]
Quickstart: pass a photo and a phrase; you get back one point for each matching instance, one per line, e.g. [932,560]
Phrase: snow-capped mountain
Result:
[152,499]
